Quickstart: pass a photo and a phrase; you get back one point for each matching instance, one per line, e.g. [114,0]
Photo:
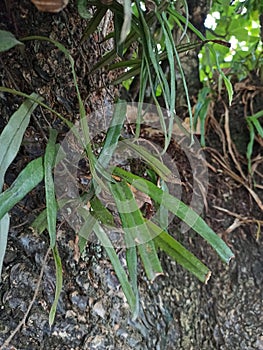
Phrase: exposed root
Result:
[240,220]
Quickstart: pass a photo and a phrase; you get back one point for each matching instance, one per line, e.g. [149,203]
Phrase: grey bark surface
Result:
[177,311]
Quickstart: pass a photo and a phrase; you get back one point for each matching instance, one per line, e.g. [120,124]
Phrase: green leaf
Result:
[126,26]
[59,283]
[179,253]
[181,210]
[10,142]
[250,144]
[29,178]
[135,228]
[118,21]
[201,111]
[4,229]
[100,212]
[229,87]
[39,225]
[127,75]
[160,168]
[113,134]
[132,265]
[163,213]
[150,260]
[83,120]
[7,41]
[254,119]
[49,161]
[104,61]
[82,9]
[12,135]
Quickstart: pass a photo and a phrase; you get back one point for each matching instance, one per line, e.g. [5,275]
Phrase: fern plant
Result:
[143,237]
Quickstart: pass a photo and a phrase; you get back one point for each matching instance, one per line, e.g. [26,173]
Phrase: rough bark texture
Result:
[177,311]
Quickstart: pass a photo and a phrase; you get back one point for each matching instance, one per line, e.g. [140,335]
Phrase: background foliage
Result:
[238,24]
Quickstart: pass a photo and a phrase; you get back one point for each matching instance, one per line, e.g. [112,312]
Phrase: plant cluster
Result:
[133,23]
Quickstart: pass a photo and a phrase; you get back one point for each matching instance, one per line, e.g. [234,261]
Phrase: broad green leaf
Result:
[49,161]
[28,179]
[181,210]
[179,253]
[150,260]
[4,229]
[59,282]
[7,41]
[12,135]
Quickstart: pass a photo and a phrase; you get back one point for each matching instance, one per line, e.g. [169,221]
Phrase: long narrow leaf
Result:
[59,282]
[4,229]
[126,26]
[134,226]
[104,61]
[179,253]
[132,265]
[49,161]
[113,134]
[127,75]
